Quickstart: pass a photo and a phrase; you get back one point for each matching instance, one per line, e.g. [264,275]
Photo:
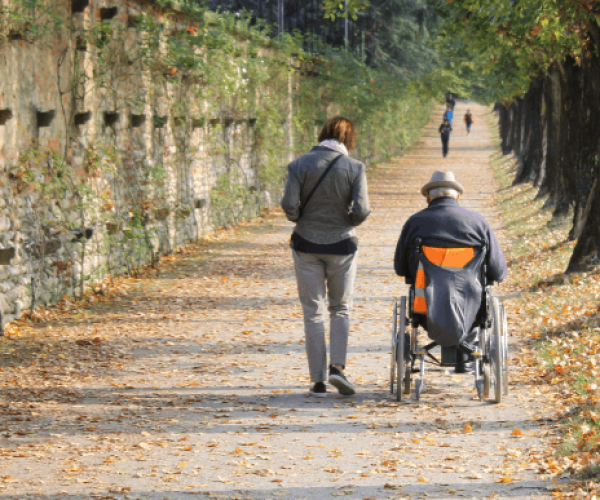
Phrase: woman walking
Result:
[326,196]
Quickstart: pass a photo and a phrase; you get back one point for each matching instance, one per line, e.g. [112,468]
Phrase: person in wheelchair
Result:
[433,244]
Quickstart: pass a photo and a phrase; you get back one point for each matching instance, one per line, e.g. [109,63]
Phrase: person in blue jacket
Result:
[448,114]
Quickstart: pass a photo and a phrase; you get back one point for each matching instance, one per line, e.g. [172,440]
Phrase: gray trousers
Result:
[320,277]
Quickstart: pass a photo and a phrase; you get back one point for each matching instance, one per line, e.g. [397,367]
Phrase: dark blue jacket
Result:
[445,130]
[445,224]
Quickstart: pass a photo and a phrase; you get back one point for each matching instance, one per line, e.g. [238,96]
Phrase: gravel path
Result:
[195,386]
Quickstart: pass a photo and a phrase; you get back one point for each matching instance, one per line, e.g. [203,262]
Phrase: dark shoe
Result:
[318,390]
[468,367]
[338,380]
[464,363]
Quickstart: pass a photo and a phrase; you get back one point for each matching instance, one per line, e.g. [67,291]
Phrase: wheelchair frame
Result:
[490,359]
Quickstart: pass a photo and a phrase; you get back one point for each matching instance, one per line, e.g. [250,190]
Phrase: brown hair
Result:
[341,129]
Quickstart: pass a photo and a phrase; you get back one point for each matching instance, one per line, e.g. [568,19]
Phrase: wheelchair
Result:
[409,357]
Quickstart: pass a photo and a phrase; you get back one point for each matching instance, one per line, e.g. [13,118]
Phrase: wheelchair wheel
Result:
[497,350]
[504,351]
[394,342]
[400,347]
[486,371]
[410,359]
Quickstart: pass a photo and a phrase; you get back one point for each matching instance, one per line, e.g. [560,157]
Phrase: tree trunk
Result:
[586,222]
[510,128]
[569,147]
[552,183]
[540,178]
[515,142]
[587,250]
[526,139]
[505,128]
[579,216]
[533,140]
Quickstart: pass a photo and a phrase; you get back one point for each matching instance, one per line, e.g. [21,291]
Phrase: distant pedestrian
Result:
[326,196]
[450,100]
[444,130]
[448,114]
[468,121]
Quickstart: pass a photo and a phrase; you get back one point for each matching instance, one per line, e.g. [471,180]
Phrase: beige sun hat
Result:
[441,180]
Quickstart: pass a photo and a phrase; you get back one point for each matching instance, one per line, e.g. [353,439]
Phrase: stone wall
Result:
[109,155]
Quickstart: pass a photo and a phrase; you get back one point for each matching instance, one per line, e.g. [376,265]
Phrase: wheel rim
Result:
[399,370]
[400,348]
[504,351]
[496,350]
[394,341]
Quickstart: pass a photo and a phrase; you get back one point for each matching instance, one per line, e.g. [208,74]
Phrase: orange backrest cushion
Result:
[449,257]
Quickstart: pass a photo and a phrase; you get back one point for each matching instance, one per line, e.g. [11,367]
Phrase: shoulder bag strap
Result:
[329,167]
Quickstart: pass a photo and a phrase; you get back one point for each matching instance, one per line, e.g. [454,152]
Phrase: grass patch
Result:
[591,472]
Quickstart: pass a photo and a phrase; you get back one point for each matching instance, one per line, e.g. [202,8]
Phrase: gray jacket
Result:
[338,205]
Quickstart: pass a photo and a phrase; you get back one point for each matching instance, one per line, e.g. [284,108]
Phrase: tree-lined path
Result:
[195,384]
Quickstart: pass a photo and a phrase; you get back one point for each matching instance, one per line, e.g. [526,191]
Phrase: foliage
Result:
[383,106]
[393,35]
[399,35]
[338,8]
[510,43]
